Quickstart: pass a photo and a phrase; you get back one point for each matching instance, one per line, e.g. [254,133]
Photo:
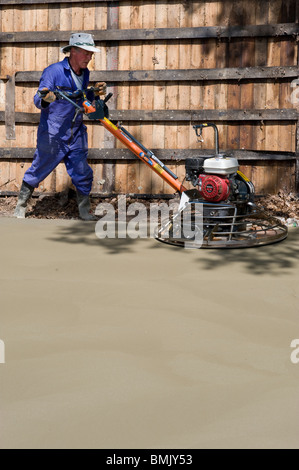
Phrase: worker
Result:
[61,135]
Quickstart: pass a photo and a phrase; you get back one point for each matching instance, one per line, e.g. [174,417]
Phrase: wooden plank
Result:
[184,89]
[147,17]
[285,177]
[112,64]
[3,92]
[65,30]
[53,25]
[18,58]
[234,60]
[272,95]
[209,89]
[154,34]
[10,109]
[161,92]
[257,176]
[5,176]
[34,2]
[286,137]
[135,62]
[97,136]
[259,89]
[167,155]
[76,13]
[172,89]
[14,175]
[98,179]
[124,50]
[221,89]
[159,97]
[135,75]
[88,14]
[6,57]
[246,92]
[174,115]
[41,49]
[31,58]
[222,61]
[288,10]
[267,173]
[208,61]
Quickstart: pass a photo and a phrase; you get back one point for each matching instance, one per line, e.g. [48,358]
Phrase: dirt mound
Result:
[64,206]
[282,205]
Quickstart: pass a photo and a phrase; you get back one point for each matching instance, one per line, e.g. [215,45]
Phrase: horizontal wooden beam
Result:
[181,115]
[42,2]
[205,115]
[232,73]
[169,155]
[158,34]
[177,75]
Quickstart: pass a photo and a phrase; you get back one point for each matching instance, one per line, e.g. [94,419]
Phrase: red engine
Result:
[213,188]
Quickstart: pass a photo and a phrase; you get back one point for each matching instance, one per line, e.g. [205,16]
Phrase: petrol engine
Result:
[218,179]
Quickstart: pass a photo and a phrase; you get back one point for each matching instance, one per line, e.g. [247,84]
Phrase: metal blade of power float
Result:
[222,225]
[189,196]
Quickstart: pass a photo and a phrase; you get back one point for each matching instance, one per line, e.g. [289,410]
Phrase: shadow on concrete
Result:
[81,232]
[271,259]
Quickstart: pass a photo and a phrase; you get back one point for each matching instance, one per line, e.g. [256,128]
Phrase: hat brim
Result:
[86,48]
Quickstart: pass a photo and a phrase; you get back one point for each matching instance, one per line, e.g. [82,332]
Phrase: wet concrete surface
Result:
[132,344]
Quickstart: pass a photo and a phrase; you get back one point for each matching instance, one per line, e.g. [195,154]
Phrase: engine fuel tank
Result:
[221,165]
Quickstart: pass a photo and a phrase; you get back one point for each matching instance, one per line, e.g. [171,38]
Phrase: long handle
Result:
[149,153]
[138,151]
[145,155]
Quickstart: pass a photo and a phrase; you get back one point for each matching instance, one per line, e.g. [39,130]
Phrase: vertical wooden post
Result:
[10,124]
[112,64]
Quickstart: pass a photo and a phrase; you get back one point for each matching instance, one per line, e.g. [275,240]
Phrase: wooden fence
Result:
[170,65]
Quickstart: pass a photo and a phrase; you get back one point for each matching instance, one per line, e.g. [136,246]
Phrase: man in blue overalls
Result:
[61,135]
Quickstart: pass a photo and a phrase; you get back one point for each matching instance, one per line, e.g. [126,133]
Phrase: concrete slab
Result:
[134,344]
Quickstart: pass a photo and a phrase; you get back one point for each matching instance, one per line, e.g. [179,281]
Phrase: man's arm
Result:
[47,82]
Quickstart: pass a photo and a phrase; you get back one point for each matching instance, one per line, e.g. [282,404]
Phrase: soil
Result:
[282,205]
[64,206]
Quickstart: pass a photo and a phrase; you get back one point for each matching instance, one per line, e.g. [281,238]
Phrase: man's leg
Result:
[81,175]
[24,196]
[44,162]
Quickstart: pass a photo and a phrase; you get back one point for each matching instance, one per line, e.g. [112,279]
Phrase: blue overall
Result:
[59,138]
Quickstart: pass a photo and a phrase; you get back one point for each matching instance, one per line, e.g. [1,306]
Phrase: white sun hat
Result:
[82,40]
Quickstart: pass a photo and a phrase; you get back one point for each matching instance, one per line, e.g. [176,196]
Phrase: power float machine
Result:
[230,218]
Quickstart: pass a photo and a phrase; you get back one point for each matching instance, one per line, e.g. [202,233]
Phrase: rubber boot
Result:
[24,196]
[84,207]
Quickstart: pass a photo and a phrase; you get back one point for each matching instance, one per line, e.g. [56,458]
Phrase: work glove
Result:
[50,97]
[102,89]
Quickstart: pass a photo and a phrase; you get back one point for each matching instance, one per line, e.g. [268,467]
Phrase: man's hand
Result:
[102,88]
[50,97]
